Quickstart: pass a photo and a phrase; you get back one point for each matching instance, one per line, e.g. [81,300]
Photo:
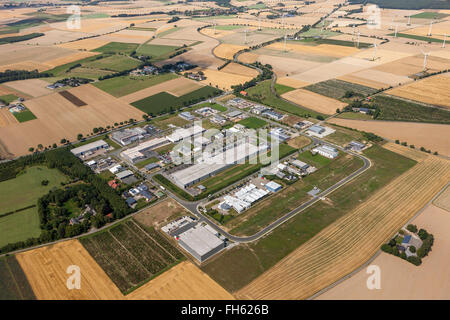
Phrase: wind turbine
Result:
[396,29]
[375,52]
[409,20]
[214,24]
[431,28]
[357,43]
[425,56]
[259,23]
[245,37]
[443,43]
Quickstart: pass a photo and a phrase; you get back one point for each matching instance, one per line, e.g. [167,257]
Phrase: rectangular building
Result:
[181,134]
[136,154]
[201,242]
[326,151]
[128,136]
[90,147]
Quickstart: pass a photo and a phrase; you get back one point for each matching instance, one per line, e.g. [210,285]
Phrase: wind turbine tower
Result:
[396,29]
[443,43]
[357,43]
[245,36]
[425,56]
[430,29]
[409,21]
[375,51]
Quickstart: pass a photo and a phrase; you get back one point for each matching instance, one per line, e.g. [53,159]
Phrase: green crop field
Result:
[164,102]
[429,15]
[131,254]
[115,63]
[255,258]
[317,160]
[8,98]
[314,32]
[73,69]
[155,50]
[13,281]
[262,93]
[167,32]
[336,89]
[415,37]
[121,86]
[253,122]
[401,110]
[214,106]
[19,226]
[354,116]
[23,116]
[228,27]
[118,47]
[280,88]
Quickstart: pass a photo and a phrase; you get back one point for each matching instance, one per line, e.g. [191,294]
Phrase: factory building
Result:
[181,134]
[317,129]
[272,186]
[128,136]
[326,151]
[179,226]
[212,164]
[89,148]
[300,164]
[137,153]
[201,242]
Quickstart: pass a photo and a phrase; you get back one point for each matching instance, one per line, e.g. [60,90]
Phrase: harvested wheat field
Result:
[227,51]
[375,77]
[293,83]
[46,268]
[223,80]
[58,118]
[443,200]
[31,87]
[239,69]
[433,90]
[350,241]
[428,135]
[285,66]
[216,33]
[85,44]
[328,50]
[7,118]
[185,87]
[173,85]
[402,280]
[70,58]
[414,64]
[314,101]
[407,152]
[161,213]
[248,57]
[182,282]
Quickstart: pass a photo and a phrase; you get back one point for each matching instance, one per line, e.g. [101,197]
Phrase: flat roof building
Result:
[273,186]
[326,151]
[124,174]
[317,129]
[300,164]
[128,136]
[186,115]
[137,153]
[201,242]
[181,134]
[90,147]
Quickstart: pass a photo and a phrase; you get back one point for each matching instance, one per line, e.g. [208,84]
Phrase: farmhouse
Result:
[128,136]
[181,134]
[326,151]
[138,153]
[89,148]
[201,242]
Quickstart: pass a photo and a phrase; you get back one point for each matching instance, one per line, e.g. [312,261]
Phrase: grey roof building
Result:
[201,242]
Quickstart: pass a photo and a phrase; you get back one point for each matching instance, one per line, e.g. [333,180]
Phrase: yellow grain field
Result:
[314,101]
[46,269]
[433,90]
[322,49]
[239,69]
[216,33]
[443,200]
[85,44]
[293,83]
[185,281]
[227,51]
[248,57]
[73,57]
[185,87]
[353,239]
[223,80]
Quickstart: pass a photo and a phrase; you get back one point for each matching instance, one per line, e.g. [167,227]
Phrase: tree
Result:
[414,260]
[412,249]
[40,146]
[423,234]
[31,149]
[338,110]
[386,248]
[63,141]
[54,146]
[412,228]
[95,130]
[80,136]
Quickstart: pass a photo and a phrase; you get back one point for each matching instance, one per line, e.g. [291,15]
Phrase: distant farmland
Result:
[131,255]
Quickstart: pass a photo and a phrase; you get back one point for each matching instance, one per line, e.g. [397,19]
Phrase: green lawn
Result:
[145,162]
[343,136]
[121,86]
[261,255]
[253,122]
[280,88]
[355,116]
[19,226]
[115,63]
[8,98]
[317,160]
[118,47]
[23,116]
[163,102]
[261,92]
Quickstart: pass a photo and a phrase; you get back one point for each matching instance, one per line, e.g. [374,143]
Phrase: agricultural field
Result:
[45,278]
[314,101]
[131,255]
[443,200]
[24,116]
[428,135]
[8,98]
[30,87]
[299,142]
[7,118]
[227,51]
[117,47]
[13,282]
[427,282]
[268,251]
[224,80]
[121,86]
[433,90]
[114,63]
[157,52]
[164,102]
[336,89]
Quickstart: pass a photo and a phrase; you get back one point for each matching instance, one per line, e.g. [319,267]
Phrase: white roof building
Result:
[326,151]
[93,146]
[135,154]
[181,134]
[201,242]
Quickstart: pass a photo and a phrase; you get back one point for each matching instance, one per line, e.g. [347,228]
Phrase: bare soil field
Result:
[290,82]
[353,78]
[223,80]
[46,268]
[54,37]
[353,239]
[402,280]
[181,82]
[58,118]
[432,90]
[314,101]
[31,87]
[210,32]
[227,51]
[443,200]
[7,118]
[299,142]
[161,213]
[430,136]
[182,282]
[382,55]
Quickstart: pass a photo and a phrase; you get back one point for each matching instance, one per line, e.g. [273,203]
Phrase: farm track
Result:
[353,239]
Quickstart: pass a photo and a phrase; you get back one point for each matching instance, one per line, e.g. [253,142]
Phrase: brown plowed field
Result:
[353,239]
[7,118]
